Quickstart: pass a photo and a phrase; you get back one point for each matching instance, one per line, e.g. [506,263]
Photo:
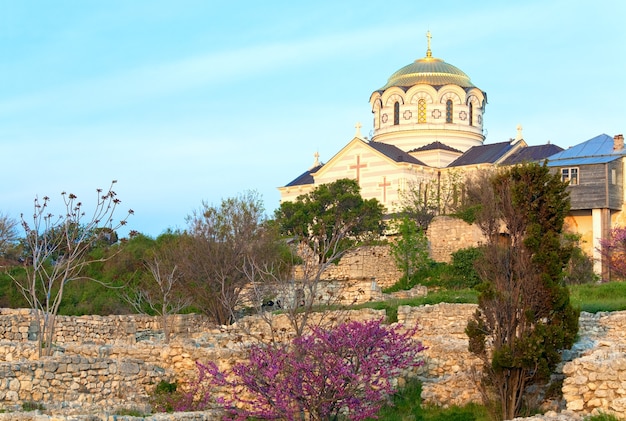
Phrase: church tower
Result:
[426,106]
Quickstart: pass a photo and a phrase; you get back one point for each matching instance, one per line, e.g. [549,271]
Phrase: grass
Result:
[407,405]
[593,298]
[438,296]
[602,417]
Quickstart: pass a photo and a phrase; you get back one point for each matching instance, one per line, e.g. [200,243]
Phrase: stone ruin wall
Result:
[596,379]
[121,372]
[366,263]
[447,235]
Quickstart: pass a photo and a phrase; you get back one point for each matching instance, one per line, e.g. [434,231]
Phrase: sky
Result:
[191,101]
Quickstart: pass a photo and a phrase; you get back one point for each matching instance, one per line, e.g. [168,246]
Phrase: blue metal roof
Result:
[597,150]
[583,161]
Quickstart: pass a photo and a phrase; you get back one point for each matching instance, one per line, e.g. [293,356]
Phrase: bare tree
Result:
[214,251]
[8,234]
[427,197]
[58,251]
[162,297]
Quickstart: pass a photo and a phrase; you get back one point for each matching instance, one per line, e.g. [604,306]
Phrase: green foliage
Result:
[165,396]
[28,406]
[331,218]
[410,248]
[579,269]
[463,296]
[464,266]
[440,275]
[522,274]
[602,417]
[468,213]
[223,242]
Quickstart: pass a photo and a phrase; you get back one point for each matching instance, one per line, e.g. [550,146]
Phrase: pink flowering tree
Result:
[613,249]
[347,371]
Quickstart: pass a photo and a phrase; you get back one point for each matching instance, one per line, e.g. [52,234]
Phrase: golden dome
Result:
[430,71]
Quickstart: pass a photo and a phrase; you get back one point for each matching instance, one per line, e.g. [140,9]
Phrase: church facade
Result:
[428,122]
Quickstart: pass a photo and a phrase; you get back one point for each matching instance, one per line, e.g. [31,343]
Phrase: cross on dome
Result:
[428,38]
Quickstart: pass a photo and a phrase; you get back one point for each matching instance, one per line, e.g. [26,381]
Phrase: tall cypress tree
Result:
[524,316]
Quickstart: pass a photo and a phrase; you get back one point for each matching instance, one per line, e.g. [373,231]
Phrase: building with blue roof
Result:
[595,172]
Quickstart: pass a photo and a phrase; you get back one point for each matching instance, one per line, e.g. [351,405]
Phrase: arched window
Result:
[396,113]
[471,114]
[449,111]
[421,111]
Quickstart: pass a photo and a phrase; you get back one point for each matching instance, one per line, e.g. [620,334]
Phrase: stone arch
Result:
[454,93]
[376,96]
[478,95]
[392,95]
[421,91]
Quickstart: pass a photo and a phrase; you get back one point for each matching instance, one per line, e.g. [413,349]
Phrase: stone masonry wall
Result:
[447,235]
[100,377]
[447,374]
[19,325]
[596,380]
[369,263]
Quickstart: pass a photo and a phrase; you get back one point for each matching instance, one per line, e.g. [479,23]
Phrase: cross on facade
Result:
[384,185]
[358,167]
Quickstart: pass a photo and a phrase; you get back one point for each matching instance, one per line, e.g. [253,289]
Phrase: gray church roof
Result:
[532,154]
[395,153]
[482,154]
[305,178]
[435,146]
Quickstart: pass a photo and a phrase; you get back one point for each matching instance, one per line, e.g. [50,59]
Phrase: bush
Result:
[347,371]
[168,397]
[579,270]
[463,266]
[164,397]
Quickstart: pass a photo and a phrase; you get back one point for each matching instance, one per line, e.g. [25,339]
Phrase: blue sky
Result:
[188,101]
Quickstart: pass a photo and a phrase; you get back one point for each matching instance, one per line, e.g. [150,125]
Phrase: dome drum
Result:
[429,100]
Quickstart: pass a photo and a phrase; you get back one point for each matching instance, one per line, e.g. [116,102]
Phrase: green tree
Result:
[524,318]
[410,247]
[323,224]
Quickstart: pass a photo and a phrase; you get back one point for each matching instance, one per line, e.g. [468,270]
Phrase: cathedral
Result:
[428,121]
[428,126]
